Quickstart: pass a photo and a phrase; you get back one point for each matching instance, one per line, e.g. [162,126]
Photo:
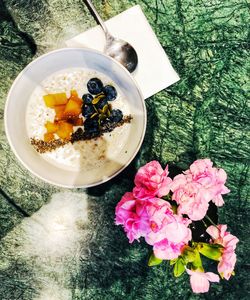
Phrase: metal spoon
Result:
[120,50]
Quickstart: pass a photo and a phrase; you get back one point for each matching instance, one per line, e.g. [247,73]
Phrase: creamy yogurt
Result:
[83,154]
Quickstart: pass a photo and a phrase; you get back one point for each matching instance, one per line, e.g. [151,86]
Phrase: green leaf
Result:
[173,261]
[189,254]
[179,267]
[197,263]
[167,197]
[174,208]
[154,261]
[212,251]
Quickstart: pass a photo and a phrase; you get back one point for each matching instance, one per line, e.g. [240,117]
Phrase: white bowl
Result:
[32,76]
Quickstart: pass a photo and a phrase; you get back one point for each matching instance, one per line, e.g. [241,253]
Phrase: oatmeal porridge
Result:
[98,131]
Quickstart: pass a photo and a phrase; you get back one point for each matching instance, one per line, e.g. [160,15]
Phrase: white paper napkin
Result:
[154,71]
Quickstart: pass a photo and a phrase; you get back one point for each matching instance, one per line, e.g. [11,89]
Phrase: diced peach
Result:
[78,100]
[49,100]
[73,108]
[52,100]
[60,98]
[65,129]
[73,93]
[77,122]
[49,136]
[51,127]
[67,113]
[59,109]
[74,96]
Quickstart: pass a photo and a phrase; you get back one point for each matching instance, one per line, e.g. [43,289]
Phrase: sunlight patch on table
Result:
[51,244]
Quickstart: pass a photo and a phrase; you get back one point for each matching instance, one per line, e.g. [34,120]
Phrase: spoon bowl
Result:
[116,48]
[122,52]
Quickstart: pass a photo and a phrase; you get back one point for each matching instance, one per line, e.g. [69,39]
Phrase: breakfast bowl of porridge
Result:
[75,117]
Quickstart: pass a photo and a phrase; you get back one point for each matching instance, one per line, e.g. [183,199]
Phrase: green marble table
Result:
[205,114]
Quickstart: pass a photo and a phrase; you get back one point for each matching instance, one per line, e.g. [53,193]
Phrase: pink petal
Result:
[225,190]
[178,181]
[222,175]
[199,283]
[176,232]
[198,212]
[164,188]
[230,241]
[131,237]
[213,231]
[212,277]
[222,229]
[128,205]
[190,272]
[156,178]
[165,253]
[166,170]
[218,200]
[142,193]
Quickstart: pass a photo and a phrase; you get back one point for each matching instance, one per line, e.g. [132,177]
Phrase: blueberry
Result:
[101,103]
[110,92]
[88,110]
[94,86]
[91,125]
[116,115]
[87,98]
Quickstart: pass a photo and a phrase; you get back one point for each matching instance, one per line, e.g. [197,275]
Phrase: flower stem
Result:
[204,223]
[211,221]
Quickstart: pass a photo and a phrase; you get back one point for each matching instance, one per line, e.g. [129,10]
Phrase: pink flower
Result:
[151,180]
[190,197]
[134,214]
[227,264]
[228,241]
[131,213]
[222,237]
[197,186]
[154,220]
[211,179]
[199,281]
[169,232]
[168,250]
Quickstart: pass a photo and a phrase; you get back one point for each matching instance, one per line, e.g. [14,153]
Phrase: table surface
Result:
[62,244]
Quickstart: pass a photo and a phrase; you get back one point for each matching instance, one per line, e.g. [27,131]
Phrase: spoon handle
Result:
[93,10]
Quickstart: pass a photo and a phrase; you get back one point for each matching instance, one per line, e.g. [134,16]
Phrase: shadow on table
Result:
[111,261]
[14,42]
[110,258]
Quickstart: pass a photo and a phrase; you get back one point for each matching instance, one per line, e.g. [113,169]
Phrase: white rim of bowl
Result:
[65,185]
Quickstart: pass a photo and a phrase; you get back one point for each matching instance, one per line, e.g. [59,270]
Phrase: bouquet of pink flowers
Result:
[162,211]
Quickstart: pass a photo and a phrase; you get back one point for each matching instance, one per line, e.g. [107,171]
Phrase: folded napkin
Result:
[154,71]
